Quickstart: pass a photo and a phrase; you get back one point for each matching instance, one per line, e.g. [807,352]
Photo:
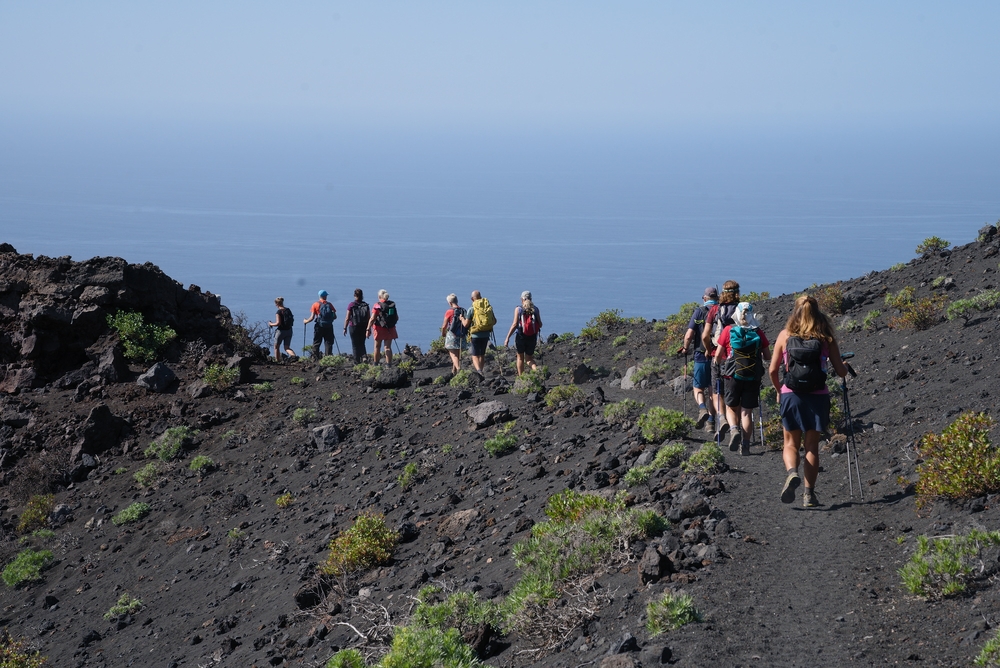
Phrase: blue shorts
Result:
[702,375]
[805,412]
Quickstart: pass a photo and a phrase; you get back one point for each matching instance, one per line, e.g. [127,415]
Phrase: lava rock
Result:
[102,431]
[627,382]
[457,523]
[157,379]
[581,374]
[199,389]
[325,437]
[390,377]
[488,413]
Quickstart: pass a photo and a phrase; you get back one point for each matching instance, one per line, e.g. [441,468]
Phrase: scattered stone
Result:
[199,389]
[157,379]
[582,374]
[681,385]
[618,661]
[488,413]
[456,524]
[325,437]
[627,383]
[390,377]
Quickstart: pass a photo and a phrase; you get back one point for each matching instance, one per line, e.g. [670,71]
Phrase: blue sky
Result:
[558,64]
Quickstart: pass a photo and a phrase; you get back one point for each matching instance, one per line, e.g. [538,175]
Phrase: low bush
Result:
[36,513]
[830,299]
[369,542]
[170,443]
[608,318]
[503,441]
[670,612]
[218,377]
[868,323]
[532,380]
[266,386]
[202,463]
[27,566]
[17,653]
[622,411]
[989,656]
[918,314]
[566,336]
[284,500]
[572,506]
[147,475]
[464,378]
[126,605]
[938,282]
[897,266]
[667,457]
[332,361]
[756,297]
[408,367]
[674,327]
[462,610]
[414,647]
[966,308]
[649,368]
[299,380]
[132,513]
[591,333]
[960,463]
[658,424]
[562,393]
[141,341]
[304,416]
[408,476]
[932,245]
[336,396]
[347,658]
[944,566]
[437,345]
[620,341]
[707,459]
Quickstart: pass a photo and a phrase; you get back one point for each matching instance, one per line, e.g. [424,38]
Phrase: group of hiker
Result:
[462,329]
[730,349]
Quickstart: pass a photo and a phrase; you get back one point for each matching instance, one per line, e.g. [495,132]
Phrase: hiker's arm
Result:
[838,364]
[688,335]
[706,334]
[772,370]
[513,326]
[277,319]
[347,319]
[312,316]
[444,325]
[371,323]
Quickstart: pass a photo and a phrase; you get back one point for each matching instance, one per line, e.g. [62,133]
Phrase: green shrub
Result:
[918,314]
[566,336]
[658,424]
[170,443]
[408,367]
[503,441]
[938,282]
[960,463]
[437,345]
[670,612]
[336,396]
[607,318]
[218,377]
[266,386]
[126,605]
[332,361]
[461,610]
[755,297]
[562,393]
[304,416]
[441,380]
[532,380]
[368,543]
[675,326]
[202,462]
[897,266]
[27,566]
[620,341]
[141,342]
[133,513]
[990,654]
[147,475]
[572,506]
[639,475]
[869,324]
[648,368]
[622,411]
[667,457]
[966,308]
[17,653]
[408,476]
[830,299]
[944,566]
[414,647]
[707,459]
[464,378]
[932,245]
[297,380]
[591,333]
[36,513]
[346,658]
[284,500]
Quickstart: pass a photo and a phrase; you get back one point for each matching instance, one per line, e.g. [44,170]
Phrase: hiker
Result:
[358,315]
[702,377]
[742,347]
[805,347]
[323,313]
[383,323]
[527,323]
[717,318]
[479,323]
[283,320]
[454,332]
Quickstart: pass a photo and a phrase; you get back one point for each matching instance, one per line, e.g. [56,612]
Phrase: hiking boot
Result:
[745,448]
[710,425]
[703,416]
[809,499]
[723,430]
[735,441]
[792,483]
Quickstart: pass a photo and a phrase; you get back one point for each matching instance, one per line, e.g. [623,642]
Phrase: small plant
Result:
[336,396]
[218,377]
[620,341]
[667,457]
[572,506]
[36,513]
[17,653]
[126,605]
[868,323]
[707,459]
[408,476]
[755,297]
[304,416]
[966,308]
[332,361]
[932,245]
[649,368]
[441,380]
[284,500]
[990,654]
[674,326]
[918,314]
[414,647]
[591,333]
[297,380]
[347,658]
[639,475]
[830,299]
[170,443]
[658,424]
[561,393]
[622,411]
[27,566]
[141,342]
[408,367]
[503,441]
[121,470]
[897,267]
[944,566]
[938,282]
[670,612]
[607,318]
[464,378]
[852,326]
[147,475]
[566,336]
[369,542]
[266,386]
[447,448]
[235,535]
[202,463]
[132,513]
[960,463]
[532,380]
[900,539]
[437,345]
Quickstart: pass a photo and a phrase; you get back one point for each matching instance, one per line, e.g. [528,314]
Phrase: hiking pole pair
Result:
[851,441]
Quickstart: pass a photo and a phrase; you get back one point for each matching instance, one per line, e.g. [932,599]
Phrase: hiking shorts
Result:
[479,346]
[385,333]
[805,412]
[702,377]
[742,393]
[283,339]
[452,342]
[525,345]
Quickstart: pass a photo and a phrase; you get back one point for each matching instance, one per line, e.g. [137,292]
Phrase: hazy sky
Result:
[547,63]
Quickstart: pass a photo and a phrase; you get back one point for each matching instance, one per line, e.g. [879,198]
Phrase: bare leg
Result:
[378,348]
[520,363]
[455,366]
[811,466]
[747,424]
[790,453]
[388,352]
[733,418]
[529,360]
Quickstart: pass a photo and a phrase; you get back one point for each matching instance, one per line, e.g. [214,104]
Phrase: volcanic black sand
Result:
[227,577]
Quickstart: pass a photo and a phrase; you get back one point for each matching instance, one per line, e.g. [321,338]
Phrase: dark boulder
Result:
[390,377]
[102,431]
[157,379]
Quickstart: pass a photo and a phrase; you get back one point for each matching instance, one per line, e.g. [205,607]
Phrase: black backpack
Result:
[360,314]
[803,369]
[723,317]
[285,318]
[387,316]
[456,326]
[327,314]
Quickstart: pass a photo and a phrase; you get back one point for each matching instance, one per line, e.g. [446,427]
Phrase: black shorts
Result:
[742,393]
[525,345]
[479,346]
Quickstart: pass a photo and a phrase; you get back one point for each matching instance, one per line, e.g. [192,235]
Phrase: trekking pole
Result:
[303,340]
[336,344]
[760,417]
[851,440]
[497,357]
[685,376]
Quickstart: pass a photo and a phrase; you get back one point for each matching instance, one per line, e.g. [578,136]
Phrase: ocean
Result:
[640,221]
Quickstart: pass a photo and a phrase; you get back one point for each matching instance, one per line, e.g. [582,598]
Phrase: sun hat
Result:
[744,312]
[525,295]
[323,293]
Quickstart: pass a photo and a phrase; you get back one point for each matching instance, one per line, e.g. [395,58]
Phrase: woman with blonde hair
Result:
[527,323]
[454,332]
[383,325]
[805,347]
[283,320]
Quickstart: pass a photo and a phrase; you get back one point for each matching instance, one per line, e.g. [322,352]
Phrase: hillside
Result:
[227,575]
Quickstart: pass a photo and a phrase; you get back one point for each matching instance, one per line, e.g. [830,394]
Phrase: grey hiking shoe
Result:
[723,430]
[745,448]
[809,499]
[710,426]
[703,416]
[792,483]
[735,440]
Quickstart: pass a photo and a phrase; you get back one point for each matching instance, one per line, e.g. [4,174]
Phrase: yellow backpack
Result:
[483,319]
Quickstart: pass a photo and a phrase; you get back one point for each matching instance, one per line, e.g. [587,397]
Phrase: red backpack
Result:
[528,322]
